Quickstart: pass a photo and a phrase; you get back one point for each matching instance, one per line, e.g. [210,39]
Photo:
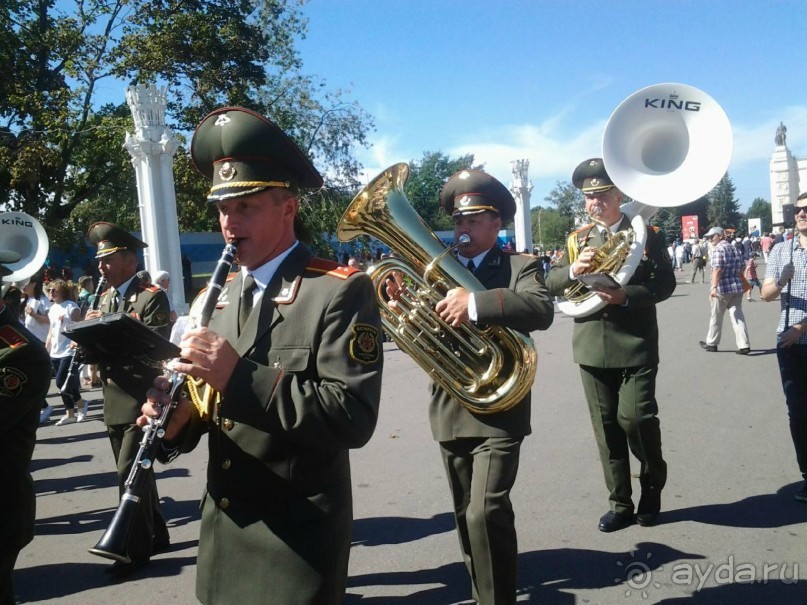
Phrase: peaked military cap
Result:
[110,238]
[590,176]
[474,191]
[6,257]
[242,153]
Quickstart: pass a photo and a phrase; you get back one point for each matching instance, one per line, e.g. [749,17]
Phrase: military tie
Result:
[114,304]
[470,266]
[246,301]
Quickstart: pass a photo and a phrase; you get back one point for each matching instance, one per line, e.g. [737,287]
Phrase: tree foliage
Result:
[569,203]
[724,209]
[61,155]
[426,178]
[761,208]
[549,228]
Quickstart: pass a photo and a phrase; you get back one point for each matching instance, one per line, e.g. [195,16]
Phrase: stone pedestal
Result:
[152,147]
[521,187]
[784,181]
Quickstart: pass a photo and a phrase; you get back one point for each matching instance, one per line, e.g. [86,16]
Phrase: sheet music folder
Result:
[118,337]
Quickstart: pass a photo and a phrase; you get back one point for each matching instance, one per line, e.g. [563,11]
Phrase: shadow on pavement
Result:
[49,582]
[763,511]
[177,513]
[399,530]
[543,575]
[774,591]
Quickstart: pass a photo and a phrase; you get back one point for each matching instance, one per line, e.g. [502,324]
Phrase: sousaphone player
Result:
[617,351]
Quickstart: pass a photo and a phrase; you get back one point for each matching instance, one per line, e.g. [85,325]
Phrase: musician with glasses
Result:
[125,384]
[786,277]
[616,348]
[481,451]
[294,350]
[25,373]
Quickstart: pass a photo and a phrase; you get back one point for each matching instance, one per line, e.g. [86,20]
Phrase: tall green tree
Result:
[724,208]
[761,208]
[426,177]
[568,200]
[60,145]
[549,228]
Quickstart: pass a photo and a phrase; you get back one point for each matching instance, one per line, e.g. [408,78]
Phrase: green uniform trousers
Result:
[481,472]
[623,409]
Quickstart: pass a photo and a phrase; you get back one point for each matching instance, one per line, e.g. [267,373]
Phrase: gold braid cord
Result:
[204,397]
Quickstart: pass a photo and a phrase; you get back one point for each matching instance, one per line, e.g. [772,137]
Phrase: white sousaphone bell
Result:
[664,146]
[26,236]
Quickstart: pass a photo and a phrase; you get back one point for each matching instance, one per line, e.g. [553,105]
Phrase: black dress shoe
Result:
[612,521]
[744,351]
[120,570]
[710,348]
[649,507]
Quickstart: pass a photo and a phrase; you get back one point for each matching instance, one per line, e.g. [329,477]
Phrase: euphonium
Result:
[486,369]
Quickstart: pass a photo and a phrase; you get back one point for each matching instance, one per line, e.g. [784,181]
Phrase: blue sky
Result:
[538,80]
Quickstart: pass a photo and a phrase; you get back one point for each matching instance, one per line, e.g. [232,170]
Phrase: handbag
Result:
[746,285]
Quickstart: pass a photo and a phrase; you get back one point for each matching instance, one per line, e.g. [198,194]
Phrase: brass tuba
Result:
[666,145]
[487,369]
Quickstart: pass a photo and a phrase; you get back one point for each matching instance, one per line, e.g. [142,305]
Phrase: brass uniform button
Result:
[226,464]
[224,504]
[228,424]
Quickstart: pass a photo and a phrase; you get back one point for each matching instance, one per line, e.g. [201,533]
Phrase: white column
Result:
[152,147]
[521,187]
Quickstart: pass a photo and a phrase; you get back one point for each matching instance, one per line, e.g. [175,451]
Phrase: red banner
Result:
[689,227]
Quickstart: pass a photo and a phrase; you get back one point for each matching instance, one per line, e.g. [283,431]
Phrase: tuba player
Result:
[617,351]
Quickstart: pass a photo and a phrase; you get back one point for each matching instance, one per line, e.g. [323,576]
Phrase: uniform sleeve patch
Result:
[12,381]
[12,337]
[364,344]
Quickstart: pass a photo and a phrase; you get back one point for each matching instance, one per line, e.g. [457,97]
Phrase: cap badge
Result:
[464,200]
[222,120]
[593,163]
[595,182]
[227,171]
[464,175]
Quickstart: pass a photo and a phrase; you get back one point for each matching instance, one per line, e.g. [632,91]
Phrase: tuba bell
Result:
[486,369]
[26,236]
[666,145]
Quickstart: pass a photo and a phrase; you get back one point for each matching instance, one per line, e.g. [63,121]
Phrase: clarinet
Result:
[114,543]
[74,360]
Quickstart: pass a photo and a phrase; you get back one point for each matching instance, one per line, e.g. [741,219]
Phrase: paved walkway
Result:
[728,513]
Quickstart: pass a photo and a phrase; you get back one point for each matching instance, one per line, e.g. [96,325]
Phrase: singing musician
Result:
[125,385]
[481,451]
[25,372]
[294,350]
[616,348]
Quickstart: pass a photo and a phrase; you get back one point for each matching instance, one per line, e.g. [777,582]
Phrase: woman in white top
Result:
[36,309]
[62,313]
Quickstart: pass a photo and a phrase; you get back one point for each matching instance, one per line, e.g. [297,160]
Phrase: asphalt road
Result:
[730,531]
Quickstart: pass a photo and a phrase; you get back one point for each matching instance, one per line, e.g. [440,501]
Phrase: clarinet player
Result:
[125,385]
[293,349]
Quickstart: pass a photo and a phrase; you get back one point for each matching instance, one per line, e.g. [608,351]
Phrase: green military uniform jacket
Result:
[125,386]
[617,336]
[515,298]
[277,517]
[25,372]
